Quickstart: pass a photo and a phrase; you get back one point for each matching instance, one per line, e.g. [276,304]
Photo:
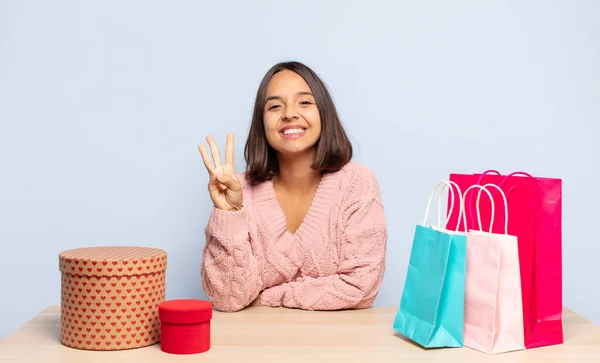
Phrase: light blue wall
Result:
[102,105]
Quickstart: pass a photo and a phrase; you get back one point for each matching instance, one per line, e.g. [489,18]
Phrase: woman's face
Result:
[291,118]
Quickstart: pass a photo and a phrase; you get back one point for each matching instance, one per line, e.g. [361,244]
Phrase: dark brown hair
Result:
[334,149]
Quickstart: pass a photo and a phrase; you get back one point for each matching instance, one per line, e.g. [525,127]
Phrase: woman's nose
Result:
[290,113]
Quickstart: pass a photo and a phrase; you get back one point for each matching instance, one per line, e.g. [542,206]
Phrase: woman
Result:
[304,226]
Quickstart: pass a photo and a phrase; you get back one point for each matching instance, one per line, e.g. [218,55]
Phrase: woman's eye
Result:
[306,103]
[272,107]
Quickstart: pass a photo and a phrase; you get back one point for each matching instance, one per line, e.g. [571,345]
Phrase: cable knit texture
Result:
[334,260]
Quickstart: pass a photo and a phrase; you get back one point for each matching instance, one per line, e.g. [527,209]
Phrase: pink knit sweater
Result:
[335,259]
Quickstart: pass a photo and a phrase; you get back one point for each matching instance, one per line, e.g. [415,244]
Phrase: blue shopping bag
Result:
[431,311]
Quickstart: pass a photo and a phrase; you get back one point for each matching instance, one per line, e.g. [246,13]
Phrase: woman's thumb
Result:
[228,181]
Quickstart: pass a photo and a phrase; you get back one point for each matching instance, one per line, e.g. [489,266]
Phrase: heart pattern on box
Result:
[111,312]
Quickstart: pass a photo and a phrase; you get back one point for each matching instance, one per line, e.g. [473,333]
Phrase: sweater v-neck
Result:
[272,214]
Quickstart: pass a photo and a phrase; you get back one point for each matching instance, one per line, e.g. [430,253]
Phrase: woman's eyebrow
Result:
[304,93]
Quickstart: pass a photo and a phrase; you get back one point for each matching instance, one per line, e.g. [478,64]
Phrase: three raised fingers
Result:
[216,167]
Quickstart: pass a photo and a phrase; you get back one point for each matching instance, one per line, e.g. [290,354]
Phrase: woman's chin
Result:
[295,151]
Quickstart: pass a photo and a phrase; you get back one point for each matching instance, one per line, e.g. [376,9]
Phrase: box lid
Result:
[113,261]
[185,311]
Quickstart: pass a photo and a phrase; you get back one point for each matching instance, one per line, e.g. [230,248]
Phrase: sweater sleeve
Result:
[362,260]
[230,271]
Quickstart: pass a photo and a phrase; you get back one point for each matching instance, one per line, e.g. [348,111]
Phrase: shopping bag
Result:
[432,305]
[493,302]
[535,210]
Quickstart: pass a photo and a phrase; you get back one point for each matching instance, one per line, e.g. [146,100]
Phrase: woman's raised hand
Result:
[224,187]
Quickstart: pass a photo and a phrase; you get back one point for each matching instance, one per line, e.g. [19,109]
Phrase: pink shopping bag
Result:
[493,303]
[535,210]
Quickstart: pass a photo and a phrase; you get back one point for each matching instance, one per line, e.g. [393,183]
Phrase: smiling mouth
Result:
[293,131]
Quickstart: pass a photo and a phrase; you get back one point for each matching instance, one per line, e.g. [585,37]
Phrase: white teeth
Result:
[292,131]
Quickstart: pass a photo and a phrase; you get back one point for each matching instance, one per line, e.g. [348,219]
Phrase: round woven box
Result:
[110,297]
